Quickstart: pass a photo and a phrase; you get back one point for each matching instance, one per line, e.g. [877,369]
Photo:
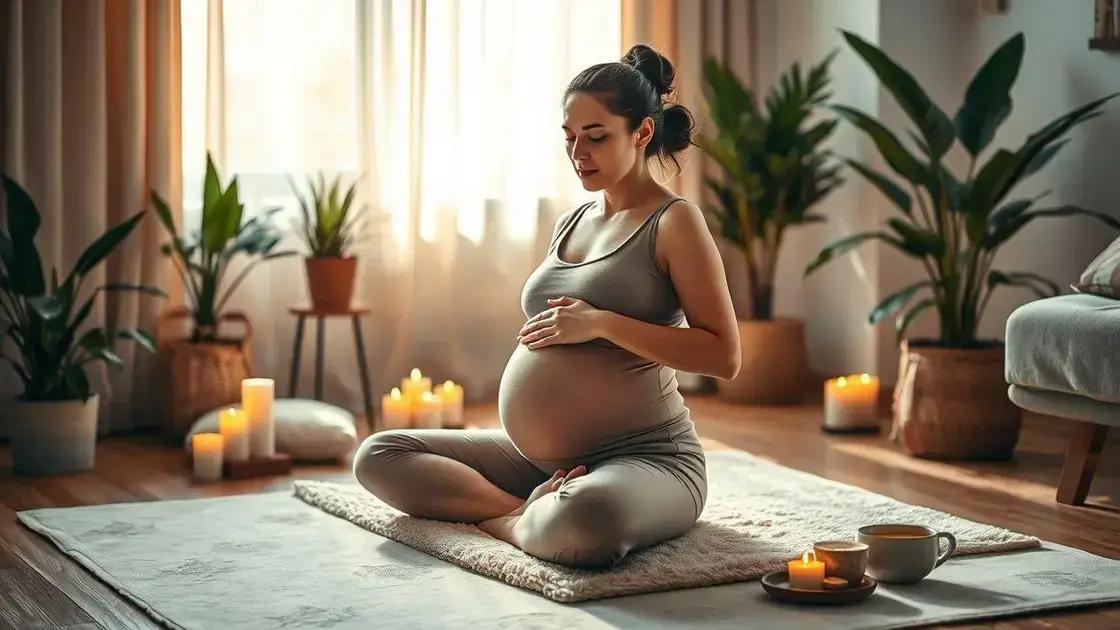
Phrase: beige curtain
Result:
[90,123]
[687,32]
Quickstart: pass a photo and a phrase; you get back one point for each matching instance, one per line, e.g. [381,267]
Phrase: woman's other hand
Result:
[568,320]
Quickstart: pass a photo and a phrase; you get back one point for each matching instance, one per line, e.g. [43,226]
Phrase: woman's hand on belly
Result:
[567,321]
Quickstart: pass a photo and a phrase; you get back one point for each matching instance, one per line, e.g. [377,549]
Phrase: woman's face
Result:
[601,149]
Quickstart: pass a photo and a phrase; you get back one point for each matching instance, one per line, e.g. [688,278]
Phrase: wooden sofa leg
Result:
[1085,445]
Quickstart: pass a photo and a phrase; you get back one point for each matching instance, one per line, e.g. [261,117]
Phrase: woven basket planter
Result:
[774,365]
[952,403]
[199,376]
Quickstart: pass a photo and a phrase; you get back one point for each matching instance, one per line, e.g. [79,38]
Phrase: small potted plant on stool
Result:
[329,228]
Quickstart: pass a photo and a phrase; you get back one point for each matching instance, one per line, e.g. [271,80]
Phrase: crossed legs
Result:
[591,519]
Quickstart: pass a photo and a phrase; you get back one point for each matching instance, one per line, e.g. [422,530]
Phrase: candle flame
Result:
[805,558]
[427,396]
[865,378]
[842,382]
[396,393]
[448,384]
[414,374]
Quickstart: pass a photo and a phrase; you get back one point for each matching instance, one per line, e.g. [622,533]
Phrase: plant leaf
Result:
[987,102]
[1042,287]
[140,337]
[25,272]
[895,301]
[845,244]
[934,125]
[892,190]
[104,245]
[896,155]
[902,323]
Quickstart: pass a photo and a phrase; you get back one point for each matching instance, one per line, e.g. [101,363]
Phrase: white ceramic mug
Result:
[904,553]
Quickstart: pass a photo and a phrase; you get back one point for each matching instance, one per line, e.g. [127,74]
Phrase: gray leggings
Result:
[640,489]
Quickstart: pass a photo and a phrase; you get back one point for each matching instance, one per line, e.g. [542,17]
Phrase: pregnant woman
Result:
[597,456]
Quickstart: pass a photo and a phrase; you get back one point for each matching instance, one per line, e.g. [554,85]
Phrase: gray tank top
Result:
[626,280]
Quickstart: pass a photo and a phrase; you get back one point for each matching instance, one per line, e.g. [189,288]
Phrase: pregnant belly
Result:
[559,402]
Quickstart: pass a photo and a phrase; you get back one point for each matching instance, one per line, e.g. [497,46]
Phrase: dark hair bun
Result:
[676,134]
[655,67]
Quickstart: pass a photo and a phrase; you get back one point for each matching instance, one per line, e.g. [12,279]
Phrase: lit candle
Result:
[452,397]
[851,403]
[396,410]
[427,412]
[806,573]
[414,385]
[206,451]
[256,401]
[234,429]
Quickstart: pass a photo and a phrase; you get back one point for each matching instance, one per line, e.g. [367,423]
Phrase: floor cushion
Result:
[305,429]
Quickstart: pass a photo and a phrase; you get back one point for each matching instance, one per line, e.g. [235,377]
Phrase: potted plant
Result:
[775,172]
[951,397]
[205,369]
[329,229]
[53,423]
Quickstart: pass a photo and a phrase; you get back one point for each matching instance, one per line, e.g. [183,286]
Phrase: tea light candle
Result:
[234,429]
[396,411]
[414,385]
[452,397]
[806,573]
[256,401]
[427,412]
[206,451]
[851,403]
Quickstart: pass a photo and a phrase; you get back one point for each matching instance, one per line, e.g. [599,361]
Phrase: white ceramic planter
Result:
[51,438]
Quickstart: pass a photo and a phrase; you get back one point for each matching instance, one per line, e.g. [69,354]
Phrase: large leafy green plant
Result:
[203,257]
[954,225]
[45,319]
[774,166]
[329,227]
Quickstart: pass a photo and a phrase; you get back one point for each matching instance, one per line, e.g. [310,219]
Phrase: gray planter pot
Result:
[51,438]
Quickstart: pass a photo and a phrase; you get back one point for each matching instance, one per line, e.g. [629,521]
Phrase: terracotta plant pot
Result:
[952,403]
[330,281]
[53,437]
[774,364]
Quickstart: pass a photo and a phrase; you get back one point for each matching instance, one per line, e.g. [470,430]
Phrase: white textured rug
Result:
[758,516]
[273,561]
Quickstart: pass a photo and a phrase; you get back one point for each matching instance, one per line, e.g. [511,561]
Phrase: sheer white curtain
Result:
[450,112]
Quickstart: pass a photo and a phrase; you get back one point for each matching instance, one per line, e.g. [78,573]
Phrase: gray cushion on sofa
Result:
[1067,344]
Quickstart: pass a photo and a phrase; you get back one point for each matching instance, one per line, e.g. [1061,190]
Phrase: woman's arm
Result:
[710,346]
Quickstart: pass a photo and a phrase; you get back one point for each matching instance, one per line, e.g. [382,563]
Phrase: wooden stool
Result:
[355,314]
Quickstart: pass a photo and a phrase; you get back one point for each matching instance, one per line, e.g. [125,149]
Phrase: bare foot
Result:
[501,527]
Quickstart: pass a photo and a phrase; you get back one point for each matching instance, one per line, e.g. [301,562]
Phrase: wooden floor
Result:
[40,587]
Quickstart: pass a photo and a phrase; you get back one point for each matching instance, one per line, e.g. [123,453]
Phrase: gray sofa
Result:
[1063,359]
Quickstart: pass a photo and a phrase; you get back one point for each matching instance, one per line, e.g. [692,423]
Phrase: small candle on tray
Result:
[206,453]
[396,410]
[234,428]
[427,412]
[451,396]
[414,385]
[805,573]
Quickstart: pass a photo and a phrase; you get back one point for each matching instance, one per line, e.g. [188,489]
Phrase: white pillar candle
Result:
[256,401]
[206,453]
[234,428]
[452,397]
[851,402]
[396,411]
[427,412]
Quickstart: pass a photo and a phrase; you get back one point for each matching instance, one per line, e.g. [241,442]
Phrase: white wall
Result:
[942,42]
